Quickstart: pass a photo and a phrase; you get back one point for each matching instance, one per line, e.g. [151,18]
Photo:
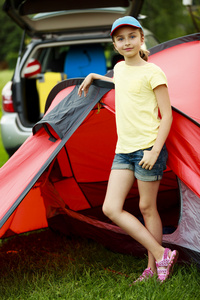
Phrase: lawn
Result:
[44,265]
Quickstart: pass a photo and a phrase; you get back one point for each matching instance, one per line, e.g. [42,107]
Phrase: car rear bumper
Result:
[13,134]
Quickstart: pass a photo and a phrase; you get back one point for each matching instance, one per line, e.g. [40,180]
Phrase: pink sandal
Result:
[148,273]
[167,263]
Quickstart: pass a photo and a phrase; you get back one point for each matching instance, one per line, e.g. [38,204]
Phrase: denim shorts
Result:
[131,161]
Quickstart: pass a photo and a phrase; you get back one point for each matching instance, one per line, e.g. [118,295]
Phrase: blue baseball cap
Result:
[127,20]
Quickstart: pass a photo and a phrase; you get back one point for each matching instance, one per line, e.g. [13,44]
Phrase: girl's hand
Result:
[149,159]
[84,87]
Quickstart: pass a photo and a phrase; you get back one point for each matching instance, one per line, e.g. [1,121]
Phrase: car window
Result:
[150,41]
[83,59]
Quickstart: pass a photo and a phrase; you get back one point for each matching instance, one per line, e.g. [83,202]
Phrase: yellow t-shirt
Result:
[136,105]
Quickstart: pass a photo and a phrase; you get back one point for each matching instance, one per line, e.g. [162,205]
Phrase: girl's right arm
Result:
[84,87]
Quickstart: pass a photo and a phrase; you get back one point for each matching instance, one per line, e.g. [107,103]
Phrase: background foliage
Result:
[166,19]
[10,36]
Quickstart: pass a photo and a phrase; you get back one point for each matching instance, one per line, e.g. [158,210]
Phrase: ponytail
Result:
[144,54]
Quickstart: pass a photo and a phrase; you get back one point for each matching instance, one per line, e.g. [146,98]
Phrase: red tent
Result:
[58,177]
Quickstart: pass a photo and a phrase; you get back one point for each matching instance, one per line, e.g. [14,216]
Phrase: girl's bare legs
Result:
[120,182]
[148,206]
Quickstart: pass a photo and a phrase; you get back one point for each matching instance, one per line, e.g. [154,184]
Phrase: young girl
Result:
[140,90]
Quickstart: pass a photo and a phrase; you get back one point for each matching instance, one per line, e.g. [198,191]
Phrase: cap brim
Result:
[123,25]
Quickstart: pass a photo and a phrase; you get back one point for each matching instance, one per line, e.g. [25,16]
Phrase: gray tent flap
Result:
[67,116]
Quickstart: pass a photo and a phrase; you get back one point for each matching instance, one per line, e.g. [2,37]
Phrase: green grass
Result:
[5,76]
[44,266]
[47,266]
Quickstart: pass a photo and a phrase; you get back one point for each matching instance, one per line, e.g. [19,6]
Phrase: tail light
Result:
[7,98]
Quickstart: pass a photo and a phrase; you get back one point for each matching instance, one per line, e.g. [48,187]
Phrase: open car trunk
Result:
[58,28]
[61,14]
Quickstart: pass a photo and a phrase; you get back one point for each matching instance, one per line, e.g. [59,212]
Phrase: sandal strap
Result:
[145,275]
[162,271]
[147,272]
[165,259]
[165,255]
[162,263]
[167,263]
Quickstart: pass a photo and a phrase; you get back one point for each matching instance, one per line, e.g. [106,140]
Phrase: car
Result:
[67,39]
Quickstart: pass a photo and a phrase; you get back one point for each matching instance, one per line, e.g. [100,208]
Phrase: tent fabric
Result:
[31,156]
[182,56]
[184,158]
[21,171]
[190,220]
[180,60]
[58,177]
[68,114]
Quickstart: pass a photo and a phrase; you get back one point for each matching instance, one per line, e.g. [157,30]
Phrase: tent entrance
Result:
[69,194]
[80,173]
[87,198]
[75,208]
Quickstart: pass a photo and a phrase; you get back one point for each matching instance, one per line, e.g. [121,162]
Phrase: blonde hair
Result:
[144,54]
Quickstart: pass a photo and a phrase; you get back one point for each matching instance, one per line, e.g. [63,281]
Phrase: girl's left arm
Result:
[164,105]
[162,96]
